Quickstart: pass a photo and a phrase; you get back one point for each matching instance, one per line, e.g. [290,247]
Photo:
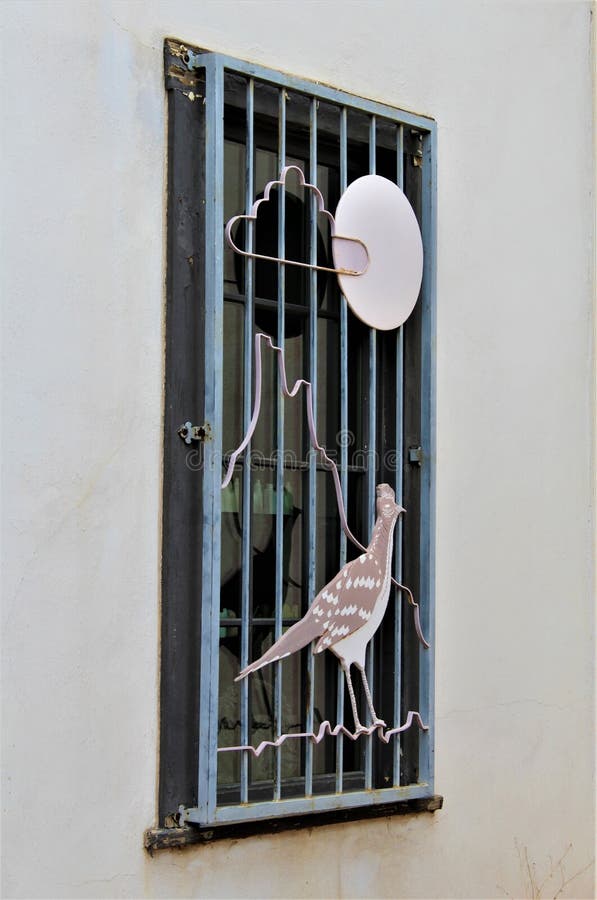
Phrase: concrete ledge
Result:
[168,838]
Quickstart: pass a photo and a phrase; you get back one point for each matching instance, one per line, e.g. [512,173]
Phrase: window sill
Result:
[168,838]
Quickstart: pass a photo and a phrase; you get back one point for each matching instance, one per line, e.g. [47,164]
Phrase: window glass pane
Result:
[328,182]
[229,734]
[328,384]
[298,111]
[261,704]
[234,204]
[263,544]
[358,391]
[231,498]
[292,715]
[293,569]
[264,439]
[386,136]
[296,433]
[232,375]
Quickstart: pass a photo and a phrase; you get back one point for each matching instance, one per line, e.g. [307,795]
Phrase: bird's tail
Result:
[298,636]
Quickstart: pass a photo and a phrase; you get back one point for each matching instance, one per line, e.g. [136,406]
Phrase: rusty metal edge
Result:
[189,835]
[177,74]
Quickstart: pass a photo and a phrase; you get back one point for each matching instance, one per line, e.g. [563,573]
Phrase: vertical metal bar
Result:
[399,457]
[371,473]
[343,347]
[400,156]
[312,541]
[344,438]
[212,468]
[278,706]
[371,468]
[428,387]
[246,501]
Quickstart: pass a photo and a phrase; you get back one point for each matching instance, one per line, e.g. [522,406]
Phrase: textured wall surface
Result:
[83,187]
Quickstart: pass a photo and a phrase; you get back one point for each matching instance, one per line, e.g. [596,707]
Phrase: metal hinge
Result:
[190,432]
[415,456]
[191,59]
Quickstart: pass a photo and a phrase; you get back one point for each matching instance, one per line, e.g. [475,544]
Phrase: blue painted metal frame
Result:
[315,89]
[207,811]
[398,443]
[343,445]
[428,438]
[247,410]
[212,461]
[320,803]
[371,457]
[280,447]
[312,477]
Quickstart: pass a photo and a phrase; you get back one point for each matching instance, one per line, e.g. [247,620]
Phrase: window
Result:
[242,565]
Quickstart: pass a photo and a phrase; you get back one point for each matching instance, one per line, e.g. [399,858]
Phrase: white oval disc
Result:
[377,212]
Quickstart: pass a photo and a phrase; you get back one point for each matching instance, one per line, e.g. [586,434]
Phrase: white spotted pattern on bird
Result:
[360,594]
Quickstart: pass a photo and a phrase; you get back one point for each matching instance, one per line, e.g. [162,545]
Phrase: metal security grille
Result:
[270,541]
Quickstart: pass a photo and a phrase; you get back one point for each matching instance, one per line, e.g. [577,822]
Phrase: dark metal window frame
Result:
[190,620]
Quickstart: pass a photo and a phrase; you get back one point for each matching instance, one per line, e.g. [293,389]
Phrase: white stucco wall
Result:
[83,294]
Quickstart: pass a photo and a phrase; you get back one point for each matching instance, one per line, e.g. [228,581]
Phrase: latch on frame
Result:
[415,456]
[190,432]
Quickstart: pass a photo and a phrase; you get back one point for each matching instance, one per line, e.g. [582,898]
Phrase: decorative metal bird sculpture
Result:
[347,612]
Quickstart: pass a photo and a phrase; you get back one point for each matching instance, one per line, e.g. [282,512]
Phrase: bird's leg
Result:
[374,718]
[357,724]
